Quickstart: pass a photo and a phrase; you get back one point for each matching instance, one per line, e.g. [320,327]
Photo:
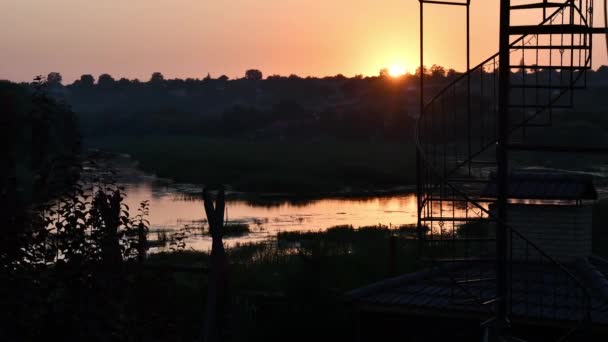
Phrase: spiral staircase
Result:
[457,135]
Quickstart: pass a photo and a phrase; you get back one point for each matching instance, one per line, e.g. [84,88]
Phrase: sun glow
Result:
[396,70]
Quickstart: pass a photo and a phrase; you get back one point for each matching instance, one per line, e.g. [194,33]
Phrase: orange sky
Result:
[188,38]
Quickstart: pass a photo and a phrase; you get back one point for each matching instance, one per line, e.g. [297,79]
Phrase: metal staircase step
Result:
[521,30]
[476,301]
[529,125]
[550,67]
[553,47]
[558,149]
[453,260]
[459,199]
[540,5]
[468,180]
[453,219]
[483,162]
[492,301]
[540,106]
[475,281]
[461,240]
[534,86]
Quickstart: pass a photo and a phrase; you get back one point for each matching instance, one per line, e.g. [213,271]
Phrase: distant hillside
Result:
[277,107]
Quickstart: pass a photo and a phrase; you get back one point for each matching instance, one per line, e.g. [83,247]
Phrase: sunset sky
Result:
[190,38]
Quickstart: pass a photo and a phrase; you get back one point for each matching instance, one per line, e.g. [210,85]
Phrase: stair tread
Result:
[549,29]
[464,260]
[544,86]
[472,281]
[539,5]
[550,67]
[460,239]
[552,47]
[540,106]
[455,219]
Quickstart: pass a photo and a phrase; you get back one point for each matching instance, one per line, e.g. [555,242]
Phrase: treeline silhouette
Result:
[71,252]
[40,141]
[253,107]
[250,107]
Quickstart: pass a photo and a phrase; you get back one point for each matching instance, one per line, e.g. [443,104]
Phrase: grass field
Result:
[269,167]
[294,283]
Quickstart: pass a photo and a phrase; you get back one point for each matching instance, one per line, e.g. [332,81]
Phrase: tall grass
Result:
[267,167]
[296,282]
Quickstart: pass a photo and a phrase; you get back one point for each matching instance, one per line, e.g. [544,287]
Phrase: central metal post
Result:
[502,234]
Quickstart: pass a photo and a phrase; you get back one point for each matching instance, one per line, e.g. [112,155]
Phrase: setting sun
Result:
[396,70]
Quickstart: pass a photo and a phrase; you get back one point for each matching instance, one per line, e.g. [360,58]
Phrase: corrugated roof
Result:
[545,186]
[538,292]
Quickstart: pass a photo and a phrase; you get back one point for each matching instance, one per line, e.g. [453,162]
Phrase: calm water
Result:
[178,208]
[172,210]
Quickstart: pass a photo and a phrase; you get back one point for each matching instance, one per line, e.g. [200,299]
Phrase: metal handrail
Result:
[443,177]
[453,83]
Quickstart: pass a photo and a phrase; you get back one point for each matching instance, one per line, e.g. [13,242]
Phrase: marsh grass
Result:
[298,280]
[336,260]
[293,167]
[232,229]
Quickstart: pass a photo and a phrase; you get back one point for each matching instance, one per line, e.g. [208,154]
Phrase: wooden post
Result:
[218,270]
[392,255]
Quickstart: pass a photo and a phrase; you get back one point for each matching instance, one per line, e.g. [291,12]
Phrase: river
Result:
[177,209]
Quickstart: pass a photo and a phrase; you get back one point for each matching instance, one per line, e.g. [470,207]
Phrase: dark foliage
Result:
[73,274]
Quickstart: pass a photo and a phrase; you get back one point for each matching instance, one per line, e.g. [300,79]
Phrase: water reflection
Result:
[171,211]
[177,206]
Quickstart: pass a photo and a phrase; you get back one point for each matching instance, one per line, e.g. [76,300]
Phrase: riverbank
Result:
[294,283]
[292,168]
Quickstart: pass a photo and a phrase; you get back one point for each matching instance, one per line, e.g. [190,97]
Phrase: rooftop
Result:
[539,292]
[545,186]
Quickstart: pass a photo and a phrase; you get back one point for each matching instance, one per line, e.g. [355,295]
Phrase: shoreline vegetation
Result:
[299,273]
[298,280]
[308,169]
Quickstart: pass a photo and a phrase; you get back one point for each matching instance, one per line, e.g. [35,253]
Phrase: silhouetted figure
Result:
[218,271]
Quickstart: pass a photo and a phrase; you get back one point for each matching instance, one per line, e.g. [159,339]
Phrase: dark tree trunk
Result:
[217,295]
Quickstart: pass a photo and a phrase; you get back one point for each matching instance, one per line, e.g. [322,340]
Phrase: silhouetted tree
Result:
[253,75]
[384,72]
[437,71]
[123,82]
[157,78]
[223,78]
[87,81]
[54,79]
[106,81]
[425,71]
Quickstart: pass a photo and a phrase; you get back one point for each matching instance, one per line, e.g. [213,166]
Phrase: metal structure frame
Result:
[567,27]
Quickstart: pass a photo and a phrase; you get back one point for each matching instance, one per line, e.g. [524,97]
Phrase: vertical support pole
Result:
[418,158]
[470,151]
[392,256]
[502,276]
